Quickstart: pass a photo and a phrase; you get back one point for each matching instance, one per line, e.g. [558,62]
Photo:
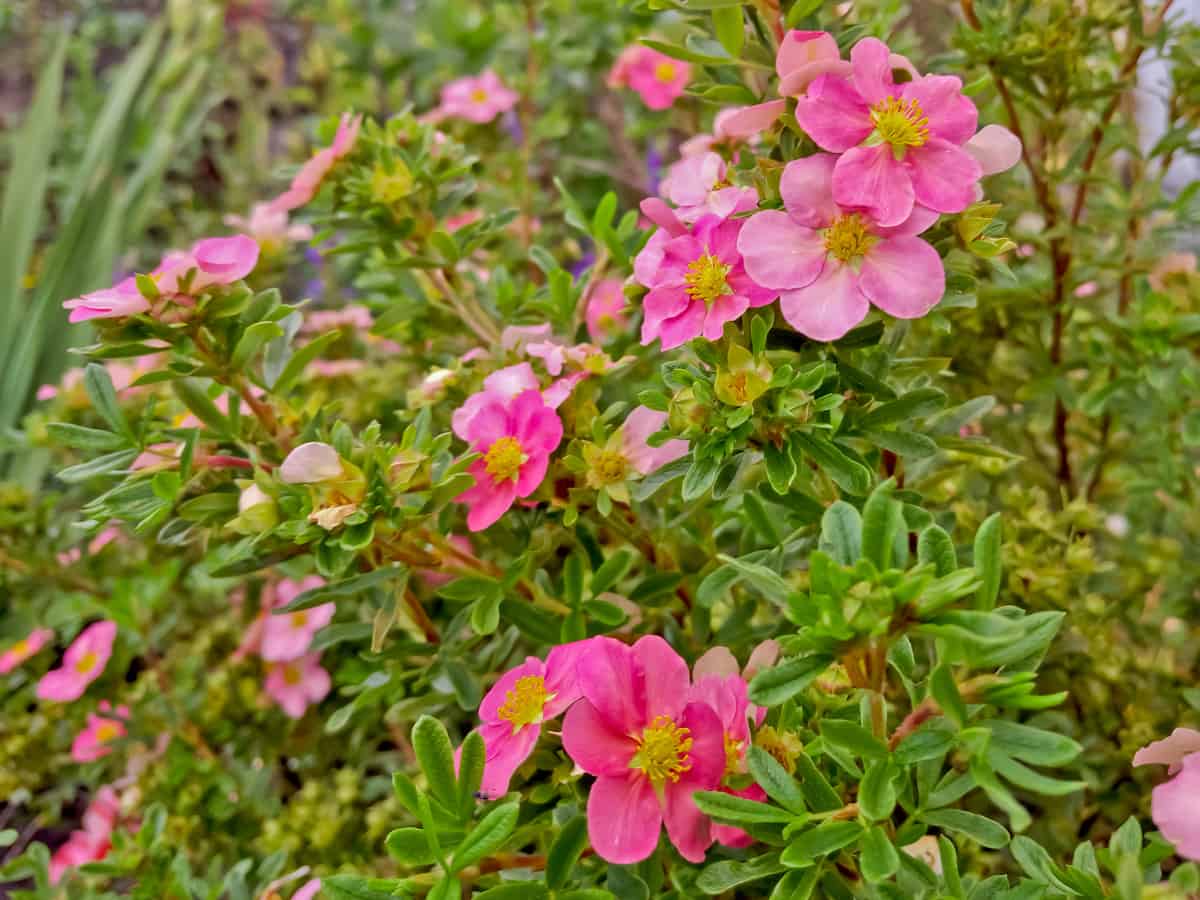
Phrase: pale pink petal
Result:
[995,148]
[833,114]
[800,48]
[1170,751]
[310,463]
[762,657]
[795,83]
[1175,811]
[663,216]
[872,179]
[716,662]
[512,380]
[778,252]
[309,890]
[827,308]
[690,179]
[806,188]
[903,276]
[745,123]
[624,818]
[944,176]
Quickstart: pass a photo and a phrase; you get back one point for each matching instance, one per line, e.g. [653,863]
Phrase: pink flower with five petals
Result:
[288,635]
[82,664]
[479,98]
[94,741]
[830,263]
[698,186]
[649,746]
[24,649]
[658,79]
[297,683]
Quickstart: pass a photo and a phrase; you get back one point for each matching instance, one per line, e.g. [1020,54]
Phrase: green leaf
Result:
[730,28]
[774,779]
[352,887]
[84,438]
[1037,864]
[820,841]
[987,561]
[935,546]
[301,358]
[470,773]
[435,754]
[193,393]
[521,890]
[738,810]
[408,847]
[979,828]
[565,852]
[879,859]
[100,391]
[726,875]
[347,587]
[817,791]
[767,581]
[101,465]
[252,340]
[1032,745]
[449,888]
[854,738]
[611,571]
[945,692]
[847,473]
[882,521]
[780,466]
[928,742]
[488,836]
[913,405]
[485,613]
[877,792]
[841,533]
[699,478]
[773,686]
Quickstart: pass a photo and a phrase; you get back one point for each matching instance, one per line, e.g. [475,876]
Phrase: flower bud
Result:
[311,463]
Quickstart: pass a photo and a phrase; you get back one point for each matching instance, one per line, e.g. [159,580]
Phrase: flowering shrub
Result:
[533,548]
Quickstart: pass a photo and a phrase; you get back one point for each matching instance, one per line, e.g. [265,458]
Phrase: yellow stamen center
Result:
[504,459]
[299,619]
[665,72]
[848,238]
[610,467]
[20,649]
[733,756]
[291,674]
[663,751]
[86,663]
[706,278]
[901,123]
[107,731]
[523,705]
[479,95]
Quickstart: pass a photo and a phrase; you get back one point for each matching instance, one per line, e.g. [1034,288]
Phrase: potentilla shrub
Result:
[609,555]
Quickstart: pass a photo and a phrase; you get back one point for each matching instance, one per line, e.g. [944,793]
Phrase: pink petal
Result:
[615,684]
[778,252]
[1175,811]
[944,177]
[952,115]
[592,742]
[562,676]
[827,308]
[833,114]
[1170,751]
[801,48]
[226,260]
[486,501]
[761,657]
[623,818]
[723,310]
[311,463]
[495,698]
[506,752]
[795,83]
[690,179]
[903,276]
[716,662]
[745,123]
[666,676]
[995,148]
[512,380]
[663,216]
[806,187]
[872,64]
[871,178]
[922,219]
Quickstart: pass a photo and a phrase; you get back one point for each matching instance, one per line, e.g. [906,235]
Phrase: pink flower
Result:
[727,697]
[308,180]
[697,186]
[516,438]
[311,463]
[120,300]
[503,384]
[658,79]
[477,99]
[103,538]
[83,663]
[287,636]
[212,262]
[697,280]
[93,841]
[605,312]
[514,709]
[639,425]
[830,262]
[649,746]
[308,890]
[995,148]
[24,649]
[901,144]
[336,368]
[268,225]
[297,683]
[354,316]
[93,742]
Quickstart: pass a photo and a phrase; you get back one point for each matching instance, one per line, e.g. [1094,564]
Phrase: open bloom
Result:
[639,425]
[728,697]
[83,663]
[288,635]
[516,438]
[211,262]
[24,648]
[697,280]
[297,683]
[479,98]
[120,300]
[697,185]
[308,180]
[101,730]
[92,842]
[605,312]
[901,144]
[514,709]
[658,79]
[830,263]
[649,746]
